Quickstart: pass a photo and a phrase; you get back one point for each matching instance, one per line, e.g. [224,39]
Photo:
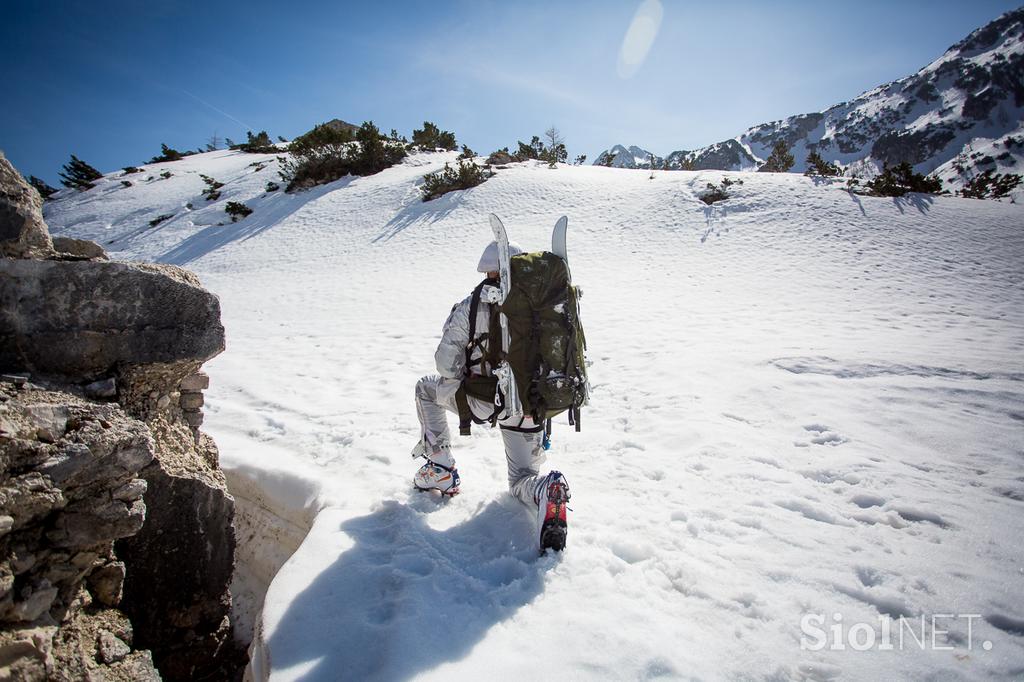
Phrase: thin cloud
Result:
[219,111]
[489,74]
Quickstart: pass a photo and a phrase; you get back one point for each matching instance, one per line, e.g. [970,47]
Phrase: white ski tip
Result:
[558,238]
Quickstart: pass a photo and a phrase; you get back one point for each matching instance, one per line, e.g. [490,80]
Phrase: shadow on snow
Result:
[268,211]
[408,598]
[421,211]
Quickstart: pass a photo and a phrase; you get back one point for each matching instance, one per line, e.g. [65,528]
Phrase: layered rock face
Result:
[115,521]
[69,487]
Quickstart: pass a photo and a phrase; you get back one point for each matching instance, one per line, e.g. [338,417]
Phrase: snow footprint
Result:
[822,435]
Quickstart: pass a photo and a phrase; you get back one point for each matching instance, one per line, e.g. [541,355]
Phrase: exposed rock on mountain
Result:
[627,157]
[79,472]
[339,125]
[729,154]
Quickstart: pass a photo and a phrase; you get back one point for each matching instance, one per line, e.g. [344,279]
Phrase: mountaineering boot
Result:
[434,476]
[552,498]
[439,473]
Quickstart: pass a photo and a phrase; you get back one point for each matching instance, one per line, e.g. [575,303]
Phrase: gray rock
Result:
[194,419]
[23,233]
[6,524]
[67,464]
[8,426]
[35,605]
[179,569]
[130,491]
[195,382]
[27,657]
[163,402]
[22,561]
[191,401]
[110,649]
[106,583]
[95,525]
[69,248]
[82,320]
[6,585]
[51,421]
[102,389]
[30,497]
[138,667]
[16,379]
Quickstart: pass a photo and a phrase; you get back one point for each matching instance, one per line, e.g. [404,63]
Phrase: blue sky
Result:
[111,81]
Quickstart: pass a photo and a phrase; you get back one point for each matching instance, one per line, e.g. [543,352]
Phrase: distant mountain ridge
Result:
[959,116]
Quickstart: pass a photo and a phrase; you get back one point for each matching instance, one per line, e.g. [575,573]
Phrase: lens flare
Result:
[639,37]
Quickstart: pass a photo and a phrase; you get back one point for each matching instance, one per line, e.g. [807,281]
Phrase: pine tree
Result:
[167,154]
[213,144]
[780,159]
[819,166]
[432,137]
[78,174]
[44,189]
[895,181]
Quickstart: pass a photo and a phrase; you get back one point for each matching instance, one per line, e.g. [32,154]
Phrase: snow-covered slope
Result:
[959,116]
[805,403]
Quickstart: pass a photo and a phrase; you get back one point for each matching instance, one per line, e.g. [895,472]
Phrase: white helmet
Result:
[489,258]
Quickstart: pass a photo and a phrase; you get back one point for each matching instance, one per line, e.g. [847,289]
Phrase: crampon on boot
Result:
[552,519]
[434,476]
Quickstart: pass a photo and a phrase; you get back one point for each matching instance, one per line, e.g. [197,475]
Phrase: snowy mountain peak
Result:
[960,116]
[620,156]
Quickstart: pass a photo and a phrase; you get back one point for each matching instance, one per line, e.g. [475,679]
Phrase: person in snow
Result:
[462,353]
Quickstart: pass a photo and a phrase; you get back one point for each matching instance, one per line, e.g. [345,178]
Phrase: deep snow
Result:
[804,402]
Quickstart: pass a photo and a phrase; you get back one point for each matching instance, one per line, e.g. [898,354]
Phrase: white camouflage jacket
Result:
[450,356]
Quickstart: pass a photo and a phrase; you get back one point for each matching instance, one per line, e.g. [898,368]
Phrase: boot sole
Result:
[552,536]
[554,530]
[444,493]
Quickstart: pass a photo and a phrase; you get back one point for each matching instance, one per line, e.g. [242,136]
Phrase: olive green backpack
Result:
[546,343]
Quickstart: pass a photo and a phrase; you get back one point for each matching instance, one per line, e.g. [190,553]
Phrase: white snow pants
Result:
[524,451]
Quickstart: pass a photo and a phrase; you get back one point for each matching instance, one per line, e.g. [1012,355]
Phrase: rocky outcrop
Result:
[69,248]
[116,527]
[85,319]
[69,487]
[180,563]
[23,233]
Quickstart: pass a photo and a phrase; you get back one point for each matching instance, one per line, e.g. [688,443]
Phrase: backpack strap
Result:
[477,341]
[536,370]
[466,416]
